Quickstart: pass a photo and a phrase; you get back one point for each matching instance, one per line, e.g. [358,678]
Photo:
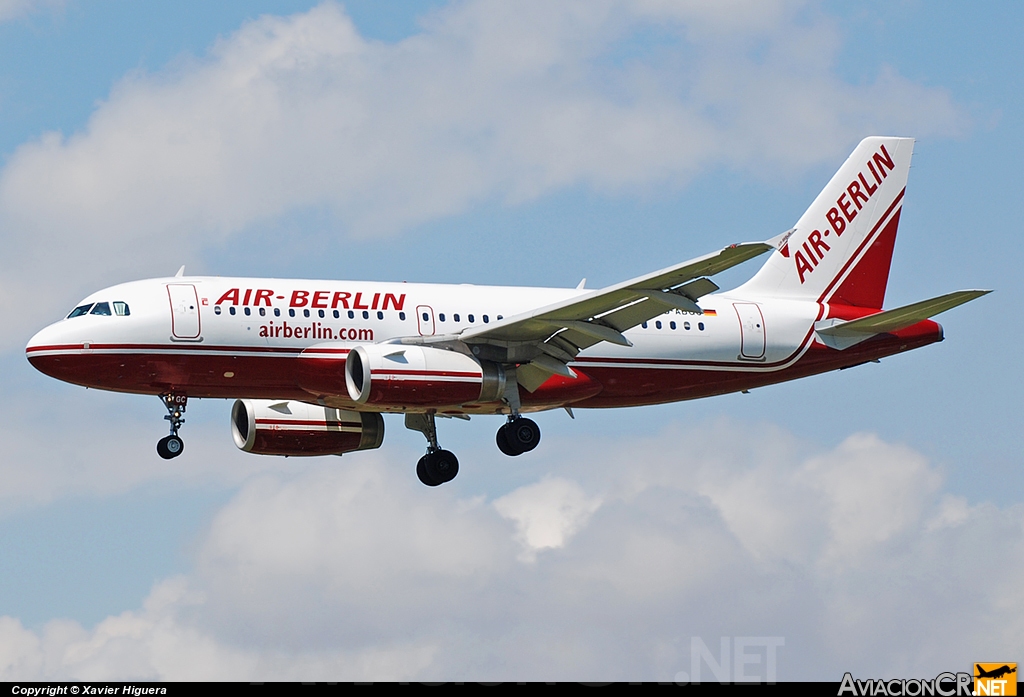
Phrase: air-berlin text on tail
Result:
[322,299]
[853,198]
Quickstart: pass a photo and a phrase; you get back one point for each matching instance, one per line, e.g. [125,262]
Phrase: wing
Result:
[545,340]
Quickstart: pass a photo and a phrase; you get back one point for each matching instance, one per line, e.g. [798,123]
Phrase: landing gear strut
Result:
[171,446]
[437,466]
[517,435]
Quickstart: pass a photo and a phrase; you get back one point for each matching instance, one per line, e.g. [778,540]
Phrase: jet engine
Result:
[400,375]
[267,427]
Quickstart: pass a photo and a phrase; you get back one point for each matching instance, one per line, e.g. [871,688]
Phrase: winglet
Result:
[181,272]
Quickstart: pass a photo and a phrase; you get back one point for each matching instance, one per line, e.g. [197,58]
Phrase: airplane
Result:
[313,364]
[995,673]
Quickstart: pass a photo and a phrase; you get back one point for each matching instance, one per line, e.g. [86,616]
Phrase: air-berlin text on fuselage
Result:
[317,299]
[847,205]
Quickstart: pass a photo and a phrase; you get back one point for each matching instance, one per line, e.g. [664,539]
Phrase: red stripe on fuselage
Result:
[619,382]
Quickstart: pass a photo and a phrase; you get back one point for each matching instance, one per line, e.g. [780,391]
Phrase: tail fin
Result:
[841,248]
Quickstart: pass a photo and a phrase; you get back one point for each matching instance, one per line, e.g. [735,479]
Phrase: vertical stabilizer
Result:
[841,248]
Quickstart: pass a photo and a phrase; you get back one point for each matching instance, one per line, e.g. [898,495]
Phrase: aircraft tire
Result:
[421,472]
[170,447]
[441,466]
[522,435]
[501,438]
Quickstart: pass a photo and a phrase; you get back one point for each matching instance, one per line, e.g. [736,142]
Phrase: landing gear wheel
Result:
[441,466]
[502,440]
[170,447]
[437,466]
[519,435]
[421,472]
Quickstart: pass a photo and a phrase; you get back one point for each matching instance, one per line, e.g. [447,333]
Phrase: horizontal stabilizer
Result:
[840,334]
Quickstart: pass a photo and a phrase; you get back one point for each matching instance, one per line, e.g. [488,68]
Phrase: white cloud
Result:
[13,9]
[547,514]
[491,101]
[358,572]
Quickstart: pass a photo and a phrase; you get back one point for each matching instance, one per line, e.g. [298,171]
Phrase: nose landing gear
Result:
[171,446]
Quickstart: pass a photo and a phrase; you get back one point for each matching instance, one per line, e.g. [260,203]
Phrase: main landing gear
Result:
[171,446]
[518,436]
[437,466]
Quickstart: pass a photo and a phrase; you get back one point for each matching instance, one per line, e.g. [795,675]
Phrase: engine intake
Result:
[398,375]
[267,427]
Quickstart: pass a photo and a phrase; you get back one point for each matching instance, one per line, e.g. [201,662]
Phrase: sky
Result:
[868,520]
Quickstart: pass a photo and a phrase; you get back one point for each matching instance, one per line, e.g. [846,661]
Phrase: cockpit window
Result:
[80,310]
[101,309]
[121,308]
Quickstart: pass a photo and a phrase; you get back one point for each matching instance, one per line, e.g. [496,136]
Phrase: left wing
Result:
[545,340]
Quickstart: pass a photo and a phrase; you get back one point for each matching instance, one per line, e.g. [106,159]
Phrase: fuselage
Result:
[260,338]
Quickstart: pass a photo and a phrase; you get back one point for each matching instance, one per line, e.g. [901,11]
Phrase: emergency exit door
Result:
[752,336]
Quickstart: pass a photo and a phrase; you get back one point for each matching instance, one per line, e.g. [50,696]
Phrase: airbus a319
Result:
[313,365]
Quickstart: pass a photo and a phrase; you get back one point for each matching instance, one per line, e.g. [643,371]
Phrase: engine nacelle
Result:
[399,375]
[267,427]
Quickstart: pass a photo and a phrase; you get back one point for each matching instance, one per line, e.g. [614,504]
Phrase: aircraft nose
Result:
[39,340]
[43,349]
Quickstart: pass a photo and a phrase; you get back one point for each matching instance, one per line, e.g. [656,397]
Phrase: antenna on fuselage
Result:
[181,272]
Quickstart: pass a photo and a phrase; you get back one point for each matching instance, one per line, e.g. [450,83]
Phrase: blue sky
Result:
[532,144]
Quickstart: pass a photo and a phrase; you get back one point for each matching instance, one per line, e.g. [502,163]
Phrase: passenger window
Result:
[337,314]
[380,315]
[672,324]
[351,314]
[401,316]
[366,315]
[321,313]
[456,317]
[80,310]
[686,326]
[247,311]
[277,312]
[263,312]
[426,317]
[499,318]
[700,326]
[644,325]
[441,317]
[486,319]
[291,312]
[121,309]
[305,313]
[231,309]
[101,309]
[658,324]
[216,309]
[471,320]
